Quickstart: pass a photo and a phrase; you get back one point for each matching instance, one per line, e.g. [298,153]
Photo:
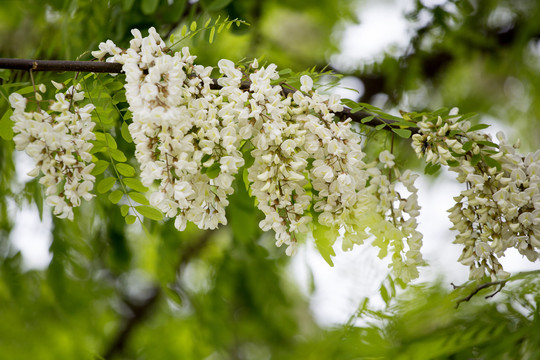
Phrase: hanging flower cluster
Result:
[191,142]
[385,213]
[500,208]
[58,141]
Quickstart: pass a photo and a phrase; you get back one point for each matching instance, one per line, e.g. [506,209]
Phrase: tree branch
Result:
[110,67]
[140,310]
[60,65]
[500,283]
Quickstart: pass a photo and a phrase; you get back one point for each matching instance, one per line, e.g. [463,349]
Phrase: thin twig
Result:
[501,283]
[480,287]
[35,91]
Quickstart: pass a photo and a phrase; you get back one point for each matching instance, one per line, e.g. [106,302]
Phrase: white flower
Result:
[387,158]
[17,102]
[58,142]
[307,83]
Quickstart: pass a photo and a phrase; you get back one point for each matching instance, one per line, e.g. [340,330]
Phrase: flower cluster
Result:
[384,212]
[192,136]
[189,140]
[500,208]
[291,133]
[185,133]
[58,141]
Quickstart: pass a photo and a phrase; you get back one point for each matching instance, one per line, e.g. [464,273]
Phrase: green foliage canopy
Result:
[113,291]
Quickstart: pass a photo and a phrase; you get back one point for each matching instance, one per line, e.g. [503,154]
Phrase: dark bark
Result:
[110,67]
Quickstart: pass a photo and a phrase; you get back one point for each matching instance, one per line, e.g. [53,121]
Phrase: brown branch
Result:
[60,65]
[139,312]
[480,287]
[110,67]
[500,283]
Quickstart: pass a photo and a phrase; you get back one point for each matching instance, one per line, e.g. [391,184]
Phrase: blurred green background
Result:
[111,291]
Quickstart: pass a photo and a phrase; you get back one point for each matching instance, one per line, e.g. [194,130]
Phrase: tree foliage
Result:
[116,290]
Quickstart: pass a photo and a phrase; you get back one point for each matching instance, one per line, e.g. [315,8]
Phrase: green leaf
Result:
[111,143]
[106,184]
[100,167]
[453,133]
[386,116]
[324,240]
[220,28]
[379,127]
[248,158]
[124,209]
[183,32]
[349,103]
[138,197]
[478,127]
[124,130]
[468,145]
[212,34]
[243,218]
[135,184]
[453,163]
[97,147]
[476,159]
[285,71]
[125,169]
[404,123]
[117,155]
[149,212]
[100,137]
[384,294]
[115,85]
[130,219]
[491,162]
[487,143]
[213,171]
[26,90]
[6,126]
[367,119]
[115,196]
[431,169]
[404,133]
[205,158]
[149,7]
[368,106]
[119,97]
[193,26]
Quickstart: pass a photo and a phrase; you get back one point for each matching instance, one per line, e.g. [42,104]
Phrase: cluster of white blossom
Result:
[383,212]
[500,208]
[59,142]
[189,139]
[185,133]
